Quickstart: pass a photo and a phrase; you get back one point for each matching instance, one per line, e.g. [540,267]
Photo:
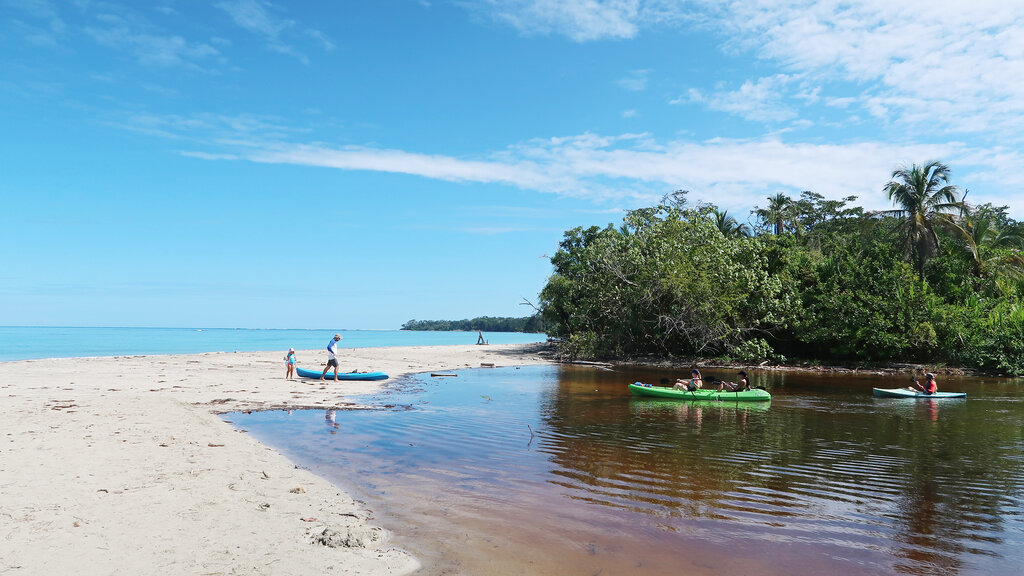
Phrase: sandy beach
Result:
[122,465]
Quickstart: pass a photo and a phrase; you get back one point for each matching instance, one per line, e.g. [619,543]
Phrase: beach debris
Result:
[263,506]
[438,374]
[211,445]
[265,475]
[351,537]
[298,490]
[487,364]
[309,519]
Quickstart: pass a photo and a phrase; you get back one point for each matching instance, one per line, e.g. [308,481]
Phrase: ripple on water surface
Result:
[557,471]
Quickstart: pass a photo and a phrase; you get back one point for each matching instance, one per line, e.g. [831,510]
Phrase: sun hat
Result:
[291,349]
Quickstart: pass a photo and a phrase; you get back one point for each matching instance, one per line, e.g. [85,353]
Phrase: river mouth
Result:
[559,470]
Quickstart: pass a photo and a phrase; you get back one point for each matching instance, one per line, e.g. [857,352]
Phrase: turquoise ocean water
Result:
[33,342]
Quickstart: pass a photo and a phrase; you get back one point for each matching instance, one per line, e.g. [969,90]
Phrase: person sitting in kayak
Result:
[694,383]
[743,384]
[930,387]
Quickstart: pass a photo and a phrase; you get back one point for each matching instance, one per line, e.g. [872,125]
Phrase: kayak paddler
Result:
[930,386]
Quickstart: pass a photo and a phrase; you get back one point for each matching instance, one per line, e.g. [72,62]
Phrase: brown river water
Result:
[553,470]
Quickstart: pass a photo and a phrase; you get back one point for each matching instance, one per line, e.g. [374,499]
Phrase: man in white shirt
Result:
[332,360]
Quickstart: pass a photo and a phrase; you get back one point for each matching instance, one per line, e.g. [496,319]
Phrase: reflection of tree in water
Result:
[935,480]
[955,489]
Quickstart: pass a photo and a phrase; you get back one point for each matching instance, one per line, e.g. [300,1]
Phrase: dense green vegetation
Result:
[533,323]
[935,280]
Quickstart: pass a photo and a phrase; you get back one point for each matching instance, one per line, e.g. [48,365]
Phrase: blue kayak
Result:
[905,393]
[341,375]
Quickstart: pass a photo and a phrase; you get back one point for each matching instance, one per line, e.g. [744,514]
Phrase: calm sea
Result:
[31,342]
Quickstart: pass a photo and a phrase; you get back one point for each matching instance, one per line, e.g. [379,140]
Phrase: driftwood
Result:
[439,374]
[586,363]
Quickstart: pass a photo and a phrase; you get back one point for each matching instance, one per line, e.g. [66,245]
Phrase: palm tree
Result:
[729,226]
[926,201]
[983,241]
[778,213]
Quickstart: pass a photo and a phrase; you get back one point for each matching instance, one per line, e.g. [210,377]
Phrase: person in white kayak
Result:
[930,386]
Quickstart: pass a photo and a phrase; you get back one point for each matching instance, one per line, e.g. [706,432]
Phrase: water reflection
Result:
[824,478]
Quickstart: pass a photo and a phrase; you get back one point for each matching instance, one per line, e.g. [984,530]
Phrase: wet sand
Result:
[122,466]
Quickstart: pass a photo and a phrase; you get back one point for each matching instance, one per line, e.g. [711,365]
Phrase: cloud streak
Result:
[259,18]
[633,169]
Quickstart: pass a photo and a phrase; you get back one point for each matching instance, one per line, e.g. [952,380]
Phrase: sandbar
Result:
[122,465]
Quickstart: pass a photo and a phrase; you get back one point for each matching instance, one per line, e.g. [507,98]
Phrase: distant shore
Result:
[122,464]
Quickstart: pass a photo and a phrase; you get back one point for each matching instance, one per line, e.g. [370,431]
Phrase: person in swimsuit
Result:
[743,384]
[332,360]
[694,383]
[289,361]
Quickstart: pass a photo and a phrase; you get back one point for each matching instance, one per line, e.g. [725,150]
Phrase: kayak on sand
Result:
[341,375]
[754,395]
[906,393]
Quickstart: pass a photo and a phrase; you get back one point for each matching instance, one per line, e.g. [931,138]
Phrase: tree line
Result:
[533,324]
[936,279]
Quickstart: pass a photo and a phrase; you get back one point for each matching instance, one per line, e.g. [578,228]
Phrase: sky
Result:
[353,164]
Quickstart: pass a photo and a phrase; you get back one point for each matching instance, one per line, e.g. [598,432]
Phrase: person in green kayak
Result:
[743,384]
[930,386]
[694,383]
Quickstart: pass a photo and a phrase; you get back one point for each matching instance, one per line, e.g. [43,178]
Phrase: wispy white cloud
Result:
[761,100]
[260,18]
[635,81]
[633,169]
[588,20]
[123,33]
[941,66]
[205,128]
[580,20]
[45,26]
[946,66]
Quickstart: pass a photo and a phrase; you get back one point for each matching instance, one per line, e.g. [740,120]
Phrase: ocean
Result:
[34,342]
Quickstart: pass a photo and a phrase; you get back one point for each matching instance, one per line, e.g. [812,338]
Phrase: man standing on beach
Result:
[332,360]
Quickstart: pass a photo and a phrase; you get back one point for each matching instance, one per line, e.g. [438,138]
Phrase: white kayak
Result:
[906,393]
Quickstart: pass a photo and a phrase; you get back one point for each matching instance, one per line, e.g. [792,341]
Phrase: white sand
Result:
[122,466]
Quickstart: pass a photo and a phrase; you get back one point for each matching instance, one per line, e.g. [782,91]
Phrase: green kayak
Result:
[755,395]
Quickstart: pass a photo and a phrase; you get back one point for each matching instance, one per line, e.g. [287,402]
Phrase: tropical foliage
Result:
[934,280]
[533,323]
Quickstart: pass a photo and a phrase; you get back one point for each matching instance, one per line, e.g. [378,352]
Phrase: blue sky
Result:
[249,163]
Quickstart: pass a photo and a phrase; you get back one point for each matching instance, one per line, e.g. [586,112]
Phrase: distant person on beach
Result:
[332,360]
[743,384]
[289,361]
[930,386]
[694,383]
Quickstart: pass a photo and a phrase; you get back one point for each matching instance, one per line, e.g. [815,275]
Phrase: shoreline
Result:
[123,464]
